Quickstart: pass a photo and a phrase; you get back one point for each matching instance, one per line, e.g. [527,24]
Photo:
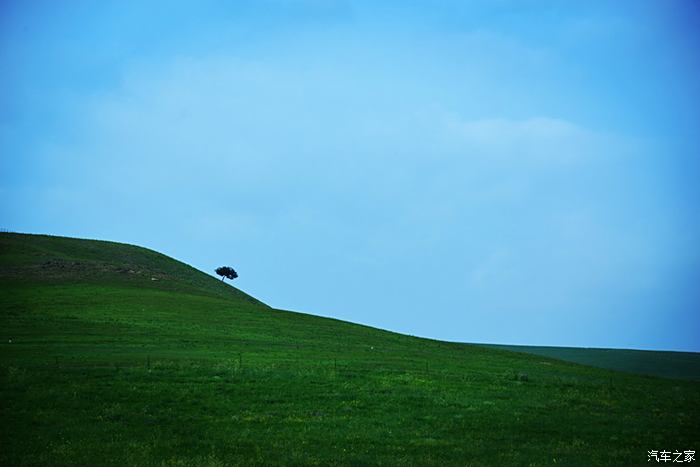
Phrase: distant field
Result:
[680,365]
[115,355]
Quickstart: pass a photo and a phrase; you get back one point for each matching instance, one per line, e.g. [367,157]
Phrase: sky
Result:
[513,172]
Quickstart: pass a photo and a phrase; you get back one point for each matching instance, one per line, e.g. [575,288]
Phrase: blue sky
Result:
[491,171]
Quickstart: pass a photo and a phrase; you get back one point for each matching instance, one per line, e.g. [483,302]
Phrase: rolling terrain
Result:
[112,354]
[681,365]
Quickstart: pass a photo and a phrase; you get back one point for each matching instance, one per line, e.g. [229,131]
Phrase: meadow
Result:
[112,354]
[678,365]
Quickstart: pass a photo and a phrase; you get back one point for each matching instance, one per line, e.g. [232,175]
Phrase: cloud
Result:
[538,139]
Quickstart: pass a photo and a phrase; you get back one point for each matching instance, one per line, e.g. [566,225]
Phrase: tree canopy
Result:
[226,272]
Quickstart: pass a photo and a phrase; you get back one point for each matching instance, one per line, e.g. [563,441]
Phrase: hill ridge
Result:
[50,258]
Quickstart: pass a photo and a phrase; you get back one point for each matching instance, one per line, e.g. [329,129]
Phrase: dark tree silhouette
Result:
[226,272]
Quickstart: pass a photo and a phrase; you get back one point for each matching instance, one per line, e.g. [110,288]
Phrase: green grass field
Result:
[116,355]
[680,365]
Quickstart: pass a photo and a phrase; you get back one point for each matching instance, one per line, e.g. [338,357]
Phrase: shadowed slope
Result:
[683,365]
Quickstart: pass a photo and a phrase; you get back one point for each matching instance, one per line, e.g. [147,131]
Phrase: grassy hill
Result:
[681,365]
[112,354]
[44,259]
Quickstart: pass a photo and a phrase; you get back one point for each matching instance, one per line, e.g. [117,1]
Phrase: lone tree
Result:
[226,272]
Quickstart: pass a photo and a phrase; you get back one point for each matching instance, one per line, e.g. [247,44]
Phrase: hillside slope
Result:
[45,259]
[681,365]
[102,366]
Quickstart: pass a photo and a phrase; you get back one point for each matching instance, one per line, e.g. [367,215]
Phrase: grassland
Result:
[116,355]
[680,365]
